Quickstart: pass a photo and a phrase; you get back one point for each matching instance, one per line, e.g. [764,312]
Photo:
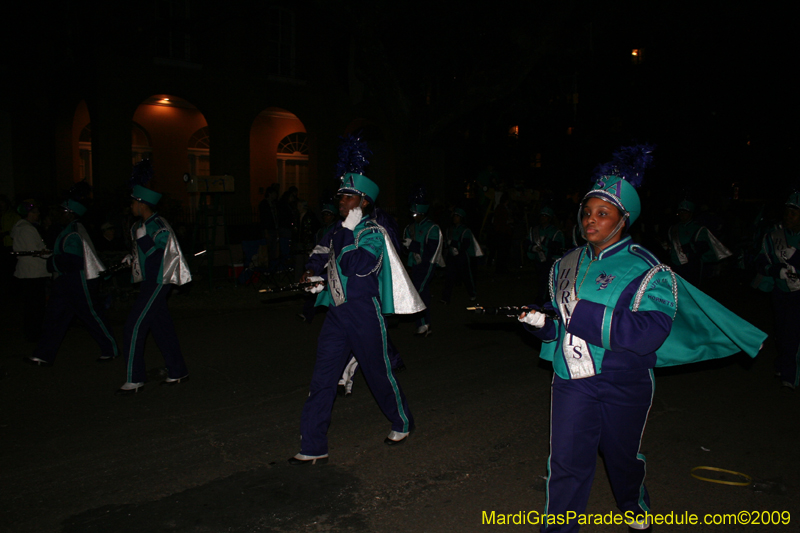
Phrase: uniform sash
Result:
[577,355]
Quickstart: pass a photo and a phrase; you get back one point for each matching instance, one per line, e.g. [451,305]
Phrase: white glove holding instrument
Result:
[407,242]
[353,218]
[141,231]
[127,260]
[314,289]
[532,318]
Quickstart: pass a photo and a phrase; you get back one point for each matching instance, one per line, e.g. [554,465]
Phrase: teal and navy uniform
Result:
[154,264]
[607,409]
[625,322]
[358,294]
[459,266]
[785,299]
[75,293]
[545,244]
[424,251]
[689,238]
[316,258]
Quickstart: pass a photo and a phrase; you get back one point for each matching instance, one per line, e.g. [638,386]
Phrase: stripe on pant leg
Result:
[96,316]
[135,333]
[388,366]
[642,505]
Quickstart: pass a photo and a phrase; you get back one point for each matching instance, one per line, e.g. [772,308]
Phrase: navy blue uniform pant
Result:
[786,306]
[605,413]
[151,314]
[356,326]
[73,295]
[421,277]
[458,269]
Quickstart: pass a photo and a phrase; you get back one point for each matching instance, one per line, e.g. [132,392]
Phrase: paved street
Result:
[210,455]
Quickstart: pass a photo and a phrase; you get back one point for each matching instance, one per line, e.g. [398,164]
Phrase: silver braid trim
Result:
[380,259]
[551,281]
[661,267]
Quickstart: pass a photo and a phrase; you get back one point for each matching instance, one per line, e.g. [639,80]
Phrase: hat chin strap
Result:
[610,236]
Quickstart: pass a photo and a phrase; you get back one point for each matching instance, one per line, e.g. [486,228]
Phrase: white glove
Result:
[353,218]
[784,274]
[532,318]
[407,242]
[127,260]
[141,231]
[314,289]
[417,258]
[788,253]
[454,251]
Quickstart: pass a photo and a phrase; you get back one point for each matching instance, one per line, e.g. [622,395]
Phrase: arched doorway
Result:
[278,153]
[174,134]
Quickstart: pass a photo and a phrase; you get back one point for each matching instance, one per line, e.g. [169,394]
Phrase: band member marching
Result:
[619,314]
[691,245]
[75,290]
[423,239]
[780,261]
[461,248]
[545,245]
[157,263]
[365,281]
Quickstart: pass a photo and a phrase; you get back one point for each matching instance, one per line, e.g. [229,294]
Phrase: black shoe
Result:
[301,459]
[35,361]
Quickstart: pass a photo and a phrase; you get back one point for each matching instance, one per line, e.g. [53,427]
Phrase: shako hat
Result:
[353,183]
[74,206]
[617,180]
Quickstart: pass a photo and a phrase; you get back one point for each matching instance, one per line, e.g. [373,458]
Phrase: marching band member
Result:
[620,313]
[365,280]
[75,290]
[157,263]
[780,261]
[423,239]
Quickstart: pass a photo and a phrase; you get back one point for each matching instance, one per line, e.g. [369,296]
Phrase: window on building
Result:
[293,163]
[173,35]
[85,154]
[140,144]
[281,42]
[199,148]
[637,56]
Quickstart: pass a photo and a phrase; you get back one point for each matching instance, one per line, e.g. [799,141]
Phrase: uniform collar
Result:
[609,251]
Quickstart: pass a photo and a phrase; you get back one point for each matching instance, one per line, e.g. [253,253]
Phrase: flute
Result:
[32,253]
[295,286]
[512,311]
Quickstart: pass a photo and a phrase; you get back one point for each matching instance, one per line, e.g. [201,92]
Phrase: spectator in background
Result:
[31,271]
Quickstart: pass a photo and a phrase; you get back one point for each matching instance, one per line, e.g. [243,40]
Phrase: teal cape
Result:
[704,329]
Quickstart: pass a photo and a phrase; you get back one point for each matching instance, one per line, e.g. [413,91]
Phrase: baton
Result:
[295,286]
[512,311]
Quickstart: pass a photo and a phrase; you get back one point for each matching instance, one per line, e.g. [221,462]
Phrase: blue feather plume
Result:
[142,173]
[418,195]
[628,163]
[353,153]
